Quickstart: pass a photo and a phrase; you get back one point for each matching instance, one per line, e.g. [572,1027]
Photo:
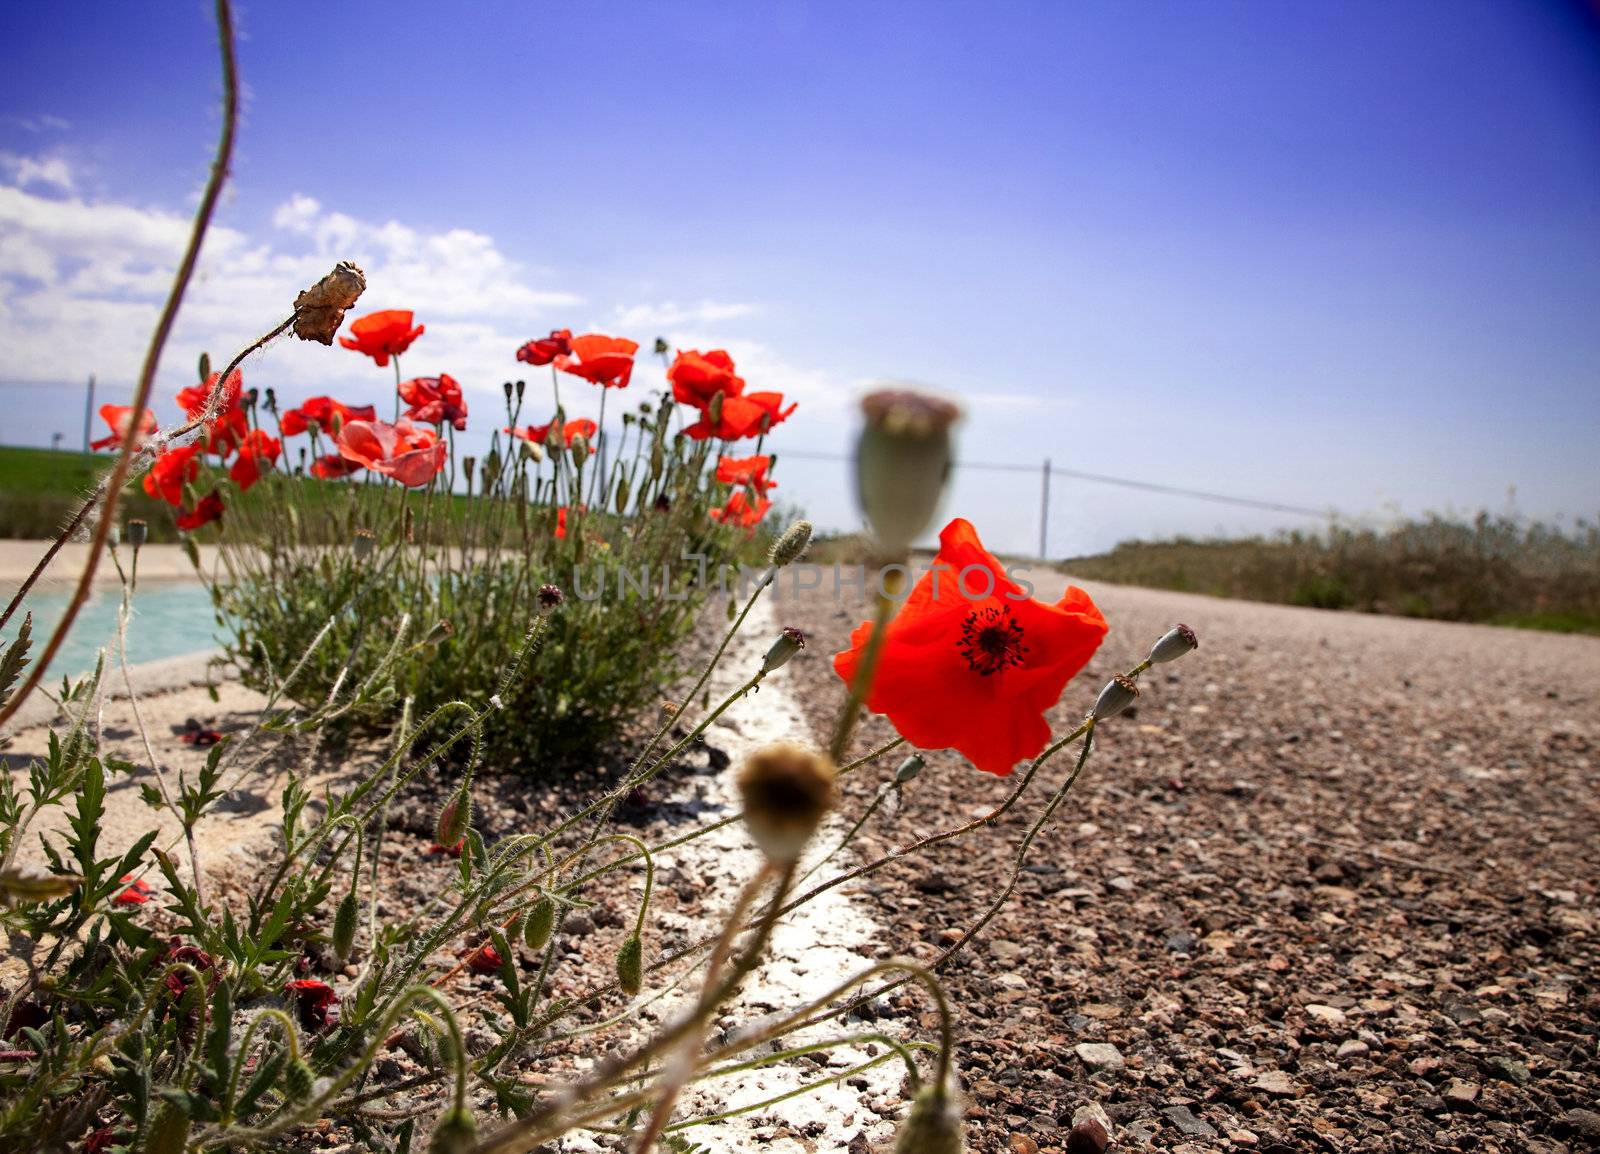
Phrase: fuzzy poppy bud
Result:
[541,923]
[902,463]
[533,452]
[1173,644]
[580,450]
[521,385]
[298,1081]
[320,309]
[792,545]
[787,791]
[469,465]
[630,965]
[442,631]
[455,1132]
[550,596]
[662,348]
[623,491]
[933,1126]
[658,460]
[362,543]
[909,768]
[789,642]
[169,1133]
[555,437]
[454,817]
[205,366]
[505,387]
[1119,693]
[138,533]
[714,409]
[344,927]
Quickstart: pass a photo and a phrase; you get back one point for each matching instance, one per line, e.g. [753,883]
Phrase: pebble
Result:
[1183,1118]
[1278,1084]
[1328,1015]
[1099,1055]
[1459,1094]
[1352,1049]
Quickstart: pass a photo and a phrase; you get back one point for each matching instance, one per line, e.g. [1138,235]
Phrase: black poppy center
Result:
[991,640]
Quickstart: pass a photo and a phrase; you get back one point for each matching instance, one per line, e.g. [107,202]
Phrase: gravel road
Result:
[1331,887]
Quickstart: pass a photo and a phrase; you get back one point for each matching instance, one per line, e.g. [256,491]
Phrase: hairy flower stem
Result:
[890,584]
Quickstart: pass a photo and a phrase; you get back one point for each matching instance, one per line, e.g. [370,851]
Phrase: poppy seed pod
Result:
[909,768]
[792,545]
[662,348]
[630,965]
[1173,644]
[344,927]
[787,790]
[933,1126]
[789,642]
[541,923]
[454,818]
[455,1133]
[138,533]
[902,463]
[320,309]
[505,387]
[1119,693]
[362,543]
[580,450]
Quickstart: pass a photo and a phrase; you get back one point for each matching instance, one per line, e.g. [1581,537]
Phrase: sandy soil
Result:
[156,562]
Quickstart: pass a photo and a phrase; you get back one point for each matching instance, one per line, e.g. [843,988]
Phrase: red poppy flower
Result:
[206,510]
[748,472]
[117,417]
[136,894]
[172,469]
[547,349]
[435,400]
[257,453]
[328,413]
[748,415]
[582,427]
[100,1140]
[200,737]
[971,664]
[229,424]
[561,523]
[332,467]
[740,512]
[382,335]
[410,455]
[178,981]
[601,360]
[484,960]
[312,1002]
[447,851]
[698,377]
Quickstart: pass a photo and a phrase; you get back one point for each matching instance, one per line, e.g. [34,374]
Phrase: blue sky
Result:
[1339,255]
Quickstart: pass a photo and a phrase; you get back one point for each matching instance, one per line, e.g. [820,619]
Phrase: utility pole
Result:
[88,414]
[1044,514]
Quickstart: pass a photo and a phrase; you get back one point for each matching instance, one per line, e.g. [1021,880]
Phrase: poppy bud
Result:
[320,309]
[469,465]
[138,533]
[454,818]
[205,366]
[630,965]
[455,1133]
[658,460]
[251,396]
[533,452]
[298,1081]
[902,463]
[1177,641]
[362,543]
[521,385]
[714,409]
[662,348]
[933,1126]
[909,768]
[1119,693]
[442,631]
[272,401]
[541,923]
[580,450]
[555,436]
[344,927]
[789,642]
[622,495]
[169,1133]
[792,545]
[506,388]
[787,790]
[550,596]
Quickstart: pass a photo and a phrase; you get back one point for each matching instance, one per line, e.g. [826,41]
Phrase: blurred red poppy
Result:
[435,400]
[171,470]
[382,335]
[484,960]
[750,472]
[447,851]
[601,360]
[206,510]
[546,349]
[698,377]
[136,894]
[328,413]
[179,981]
[410,455]
[970,663]
[117,417]
[561,523]
[312,1001]
[333,466]
[229,423]
[740,513]
[582,427]
[258,452]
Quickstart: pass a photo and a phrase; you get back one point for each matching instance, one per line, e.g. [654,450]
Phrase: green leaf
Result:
[15,658]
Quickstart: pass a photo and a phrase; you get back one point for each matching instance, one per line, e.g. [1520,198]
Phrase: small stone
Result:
[1182,943]
[1327,1015]
[1352,1049]
[1091,1130]
[1278,1084]
[1243,1137]
[1121,884]
[1460,1094]
[1022,1144]
[1099,1055]
[1190,1126]
[1584,1123]
[1509,1069]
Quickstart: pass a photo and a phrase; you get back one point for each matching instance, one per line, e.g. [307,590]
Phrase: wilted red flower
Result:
[328,413]
[229,424]
[749,472]
[136,894]
[546,349]
[970,663]
[117,417]
[100,1140]
[447,850]
[748,415]
[740,513]
[698,377]
[484,960]
[601,360]
[435,400]
[382,335]
[582,427]
[410,455]
[332,467]
[312,1002]
[257,452]
[171,471]
[206,510]
[178,981]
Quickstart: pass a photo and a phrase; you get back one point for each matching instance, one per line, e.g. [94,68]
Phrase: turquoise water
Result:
[170,618]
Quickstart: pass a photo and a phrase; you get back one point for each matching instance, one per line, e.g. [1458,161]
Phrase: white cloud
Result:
[664,315]
[51,171]
[44,122]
